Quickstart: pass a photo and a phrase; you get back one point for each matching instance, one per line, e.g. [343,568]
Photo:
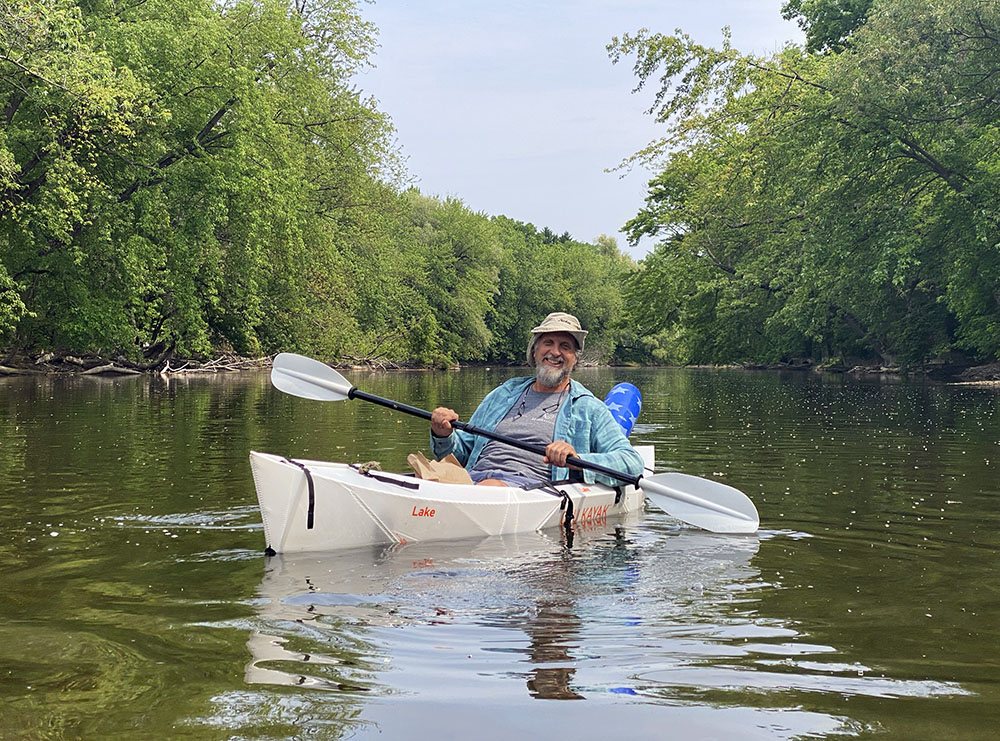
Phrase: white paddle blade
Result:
[709,505]
[301,376]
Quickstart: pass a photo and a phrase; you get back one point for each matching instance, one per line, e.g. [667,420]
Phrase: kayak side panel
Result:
[353,510]
[283,493]
[413,516]
[277,490]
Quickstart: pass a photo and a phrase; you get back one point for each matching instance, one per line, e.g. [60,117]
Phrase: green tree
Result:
[523,290]
[828,23]
[456,255]
[825,204]
[182,171]
[538,277]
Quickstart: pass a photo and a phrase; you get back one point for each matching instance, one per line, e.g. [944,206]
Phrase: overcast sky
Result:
[515,108]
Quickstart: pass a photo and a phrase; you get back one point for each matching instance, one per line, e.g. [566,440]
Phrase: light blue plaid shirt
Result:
[584,422]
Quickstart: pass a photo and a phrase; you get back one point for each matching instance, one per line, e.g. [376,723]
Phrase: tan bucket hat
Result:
[557,321]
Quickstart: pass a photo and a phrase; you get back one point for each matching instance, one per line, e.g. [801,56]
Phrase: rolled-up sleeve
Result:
[459,443]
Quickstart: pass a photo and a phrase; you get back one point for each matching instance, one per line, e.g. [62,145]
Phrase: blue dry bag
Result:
[624,401]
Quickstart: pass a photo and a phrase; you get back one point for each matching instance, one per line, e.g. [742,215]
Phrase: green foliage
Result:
[540,274]
[828,23]
[12,308]
[825,205]
[171,169]
[192,176]
[460,253]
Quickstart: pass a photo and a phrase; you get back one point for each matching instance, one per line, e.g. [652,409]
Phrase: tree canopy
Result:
[825,205]
[181,176]
[828,23]
[187,177]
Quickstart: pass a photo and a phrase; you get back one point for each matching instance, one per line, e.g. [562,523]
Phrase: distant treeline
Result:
[189,177]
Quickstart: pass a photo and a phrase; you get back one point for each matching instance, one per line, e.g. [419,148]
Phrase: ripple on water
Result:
[800,677]
[242,518]
[866,604]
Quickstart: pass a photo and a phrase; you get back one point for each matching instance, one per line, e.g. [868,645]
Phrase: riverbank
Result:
[93,365]
[980,375]
[49,363]
[45,363]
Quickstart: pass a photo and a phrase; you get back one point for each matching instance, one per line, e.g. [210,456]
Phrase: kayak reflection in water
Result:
[549,410]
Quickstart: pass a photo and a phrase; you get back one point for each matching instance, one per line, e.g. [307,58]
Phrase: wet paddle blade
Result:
[707,504]
[301,376]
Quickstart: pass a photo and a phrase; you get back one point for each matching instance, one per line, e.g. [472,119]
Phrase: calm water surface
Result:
[136,601]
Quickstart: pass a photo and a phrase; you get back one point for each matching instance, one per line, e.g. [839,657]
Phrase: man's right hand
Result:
[441,419]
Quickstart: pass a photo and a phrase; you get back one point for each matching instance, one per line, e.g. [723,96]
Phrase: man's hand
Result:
[441,419]
[557,452]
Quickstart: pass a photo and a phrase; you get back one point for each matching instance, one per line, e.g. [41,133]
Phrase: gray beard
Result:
[552,377]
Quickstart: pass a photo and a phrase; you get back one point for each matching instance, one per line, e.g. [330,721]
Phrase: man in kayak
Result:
[549,409]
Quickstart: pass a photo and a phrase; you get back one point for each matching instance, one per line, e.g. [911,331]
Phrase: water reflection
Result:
[134,577]
[659,615]
[554,626]
[565,598]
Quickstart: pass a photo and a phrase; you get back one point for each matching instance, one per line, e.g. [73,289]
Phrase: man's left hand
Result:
[557,452]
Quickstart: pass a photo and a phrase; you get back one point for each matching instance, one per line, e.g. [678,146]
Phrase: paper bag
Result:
[447,470]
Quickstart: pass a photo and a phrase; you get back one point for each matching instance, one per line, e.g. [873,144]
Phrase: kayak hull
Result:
[350,509]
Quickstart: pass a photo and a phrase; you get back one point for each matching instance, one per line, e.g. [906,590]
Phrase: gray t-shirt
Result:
[532,419]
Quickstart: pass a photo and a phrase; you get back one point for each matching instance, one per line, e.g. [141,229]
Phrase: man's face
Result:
[555,358]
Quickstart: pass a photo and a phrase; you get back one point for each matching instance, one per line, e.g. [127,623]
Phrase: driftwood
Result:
[5,371]
[110,369]
[165,364]
[222,364]
[372,363]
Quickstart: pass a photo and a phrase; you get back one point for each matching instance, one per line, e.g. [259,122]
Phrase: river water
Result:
[137,602]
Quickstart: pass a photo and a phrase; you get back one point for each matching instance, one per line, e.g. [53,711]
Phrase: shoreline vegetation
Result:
[50,363]
[159,200]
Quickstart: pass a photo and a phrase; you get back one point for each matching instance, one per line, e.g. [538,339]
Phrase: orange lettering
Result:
[592,514]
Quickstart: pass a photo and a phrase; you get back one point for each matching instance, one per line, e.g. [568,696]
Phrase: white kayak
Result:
[319,506]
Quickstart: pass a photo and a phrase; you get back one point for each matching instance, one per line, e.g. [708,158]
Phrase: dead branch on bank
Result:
[371,363]
[8,371]
[222,364]
[92,365]
[110,369]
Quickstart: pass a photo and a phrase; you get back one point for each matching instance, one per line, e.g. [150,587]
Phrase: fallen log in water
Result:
[110,369]
[6,371]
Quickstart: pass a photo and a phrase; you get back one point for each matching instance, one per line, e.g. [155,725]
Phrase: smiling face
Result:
[555,358]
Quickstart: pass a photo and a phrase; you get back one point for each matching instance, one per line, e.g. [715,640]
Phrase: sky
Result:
[515,108]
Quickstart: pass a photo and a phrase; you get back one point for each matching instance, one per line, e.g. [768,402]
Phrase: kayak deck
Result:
[320,506]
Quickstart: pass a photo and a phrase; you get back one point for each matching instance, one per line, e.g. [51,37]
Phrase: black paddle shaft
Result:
[572,460]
